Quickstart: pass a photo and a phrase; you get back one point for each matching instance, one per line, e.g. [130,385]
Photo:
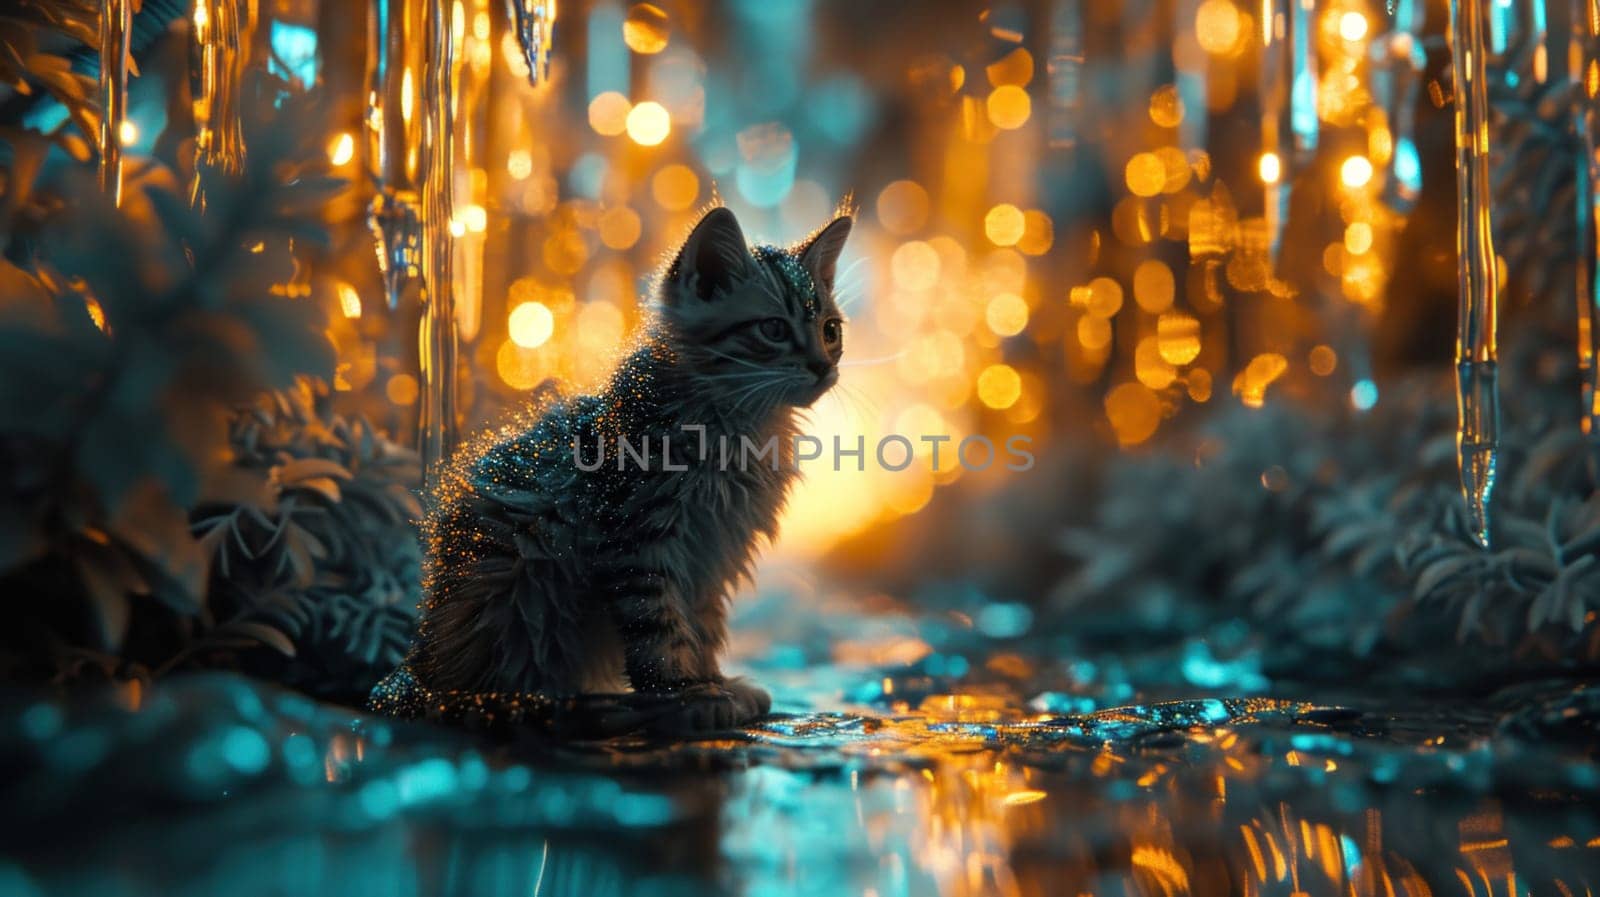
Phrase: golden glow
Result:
[999,386]
[1004,224]
[1094,333]
[401,389]
[1009,107]
[1323,360]
[1356,171]
[1178,338]
[1358,238]
[1150,367]
[1352,26]
[531,324]
[915,266]
[519,163]
[128,133]
[1252,382]
[519,368]
[1270,168]
[620,227]
[1166,107]
[645,30]
[408,91]
[341,149]
[1014,68]
[97,314]
[675,187]
[903,207]
[1145,174]
[1218,26]
[1105,297]
[349,301]
[1038,233]
[1006,314]
[648,123]
[609,113]
[1134,412]
[1153,286]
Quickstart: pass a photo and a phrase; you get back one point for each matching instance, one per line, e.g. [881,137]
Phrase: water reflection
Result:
[1004,773]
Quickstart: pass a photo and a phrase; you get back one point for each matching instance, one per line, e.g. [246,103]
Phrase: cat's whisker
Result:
[737,360]
[867,362]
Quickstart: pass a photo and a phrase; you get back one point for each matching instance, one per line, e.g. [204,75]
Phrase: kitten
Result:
[546,577]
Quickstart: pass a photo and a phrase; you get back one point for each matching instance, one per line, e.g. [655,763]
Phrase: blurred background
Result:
[1232,633]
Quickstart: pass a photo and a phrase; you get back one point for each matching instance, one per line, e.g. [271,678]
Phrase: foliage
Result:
[35,36]
[128,339]
[317,556]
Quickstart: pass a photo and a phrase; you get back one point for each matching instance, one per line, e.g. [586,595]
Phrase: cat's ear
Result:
[821,255]
[715,256]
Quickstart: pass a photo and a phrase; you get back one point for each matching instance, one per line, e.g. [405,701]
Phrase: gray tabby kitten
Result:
[546,577]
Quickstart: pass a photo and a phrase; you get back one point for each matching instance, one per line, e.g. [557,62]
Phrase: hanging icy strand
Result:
[220,49]
[1289,121]
[533,22]
[396,50]
[437,418]
[1585,71]
[1478,390]
[116,21]
[1397,62]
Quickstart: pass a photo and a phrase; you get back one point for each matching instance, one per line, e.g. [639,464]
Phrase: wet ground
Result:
[912,753]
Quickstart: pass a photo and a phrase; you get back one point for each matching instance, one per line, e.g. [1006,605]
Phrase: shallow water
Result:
[914,753]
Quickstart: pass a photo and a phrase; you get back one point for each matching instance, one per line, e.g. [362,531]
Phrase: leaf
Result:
[262,633]
[110,602]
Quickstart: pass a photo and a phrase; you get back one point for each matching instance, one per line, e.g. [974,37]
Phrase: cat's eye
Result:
[832,331]
[773,329]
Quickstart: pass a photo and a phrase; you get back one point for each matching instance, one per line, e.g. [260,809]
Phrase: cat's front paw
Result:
[715,706]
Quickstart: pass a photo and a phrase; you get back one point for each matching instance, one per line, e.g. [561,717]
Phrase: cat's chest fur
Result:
[701,510]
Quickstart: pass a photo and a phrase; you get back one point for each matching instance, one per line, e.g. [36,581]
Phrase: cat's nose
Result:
[820,369]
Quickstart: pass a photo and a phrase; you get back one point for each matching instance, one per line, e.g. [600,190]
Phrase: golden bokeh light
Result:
[1218,26]
[999,386]
[608,113]
[1356,171]
[648,123]
[1094,333]
[1145,175]
[341,149]
[1150,367]
[520,368]
[531,324]
[620,227]
[1178,338]
[1323,360]
[1004,224]
[915,266]
[1358,237]
[675,187]
[1166,106]
[1352,26]
[1014,68]
[1038,233]
[401,389]
[1134,412]
[1252,382]
[1006,314]
[1153,286]
[1009,107]
[645,30]
[903,207]
[1270,168]
[349,300]
[1105,297]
